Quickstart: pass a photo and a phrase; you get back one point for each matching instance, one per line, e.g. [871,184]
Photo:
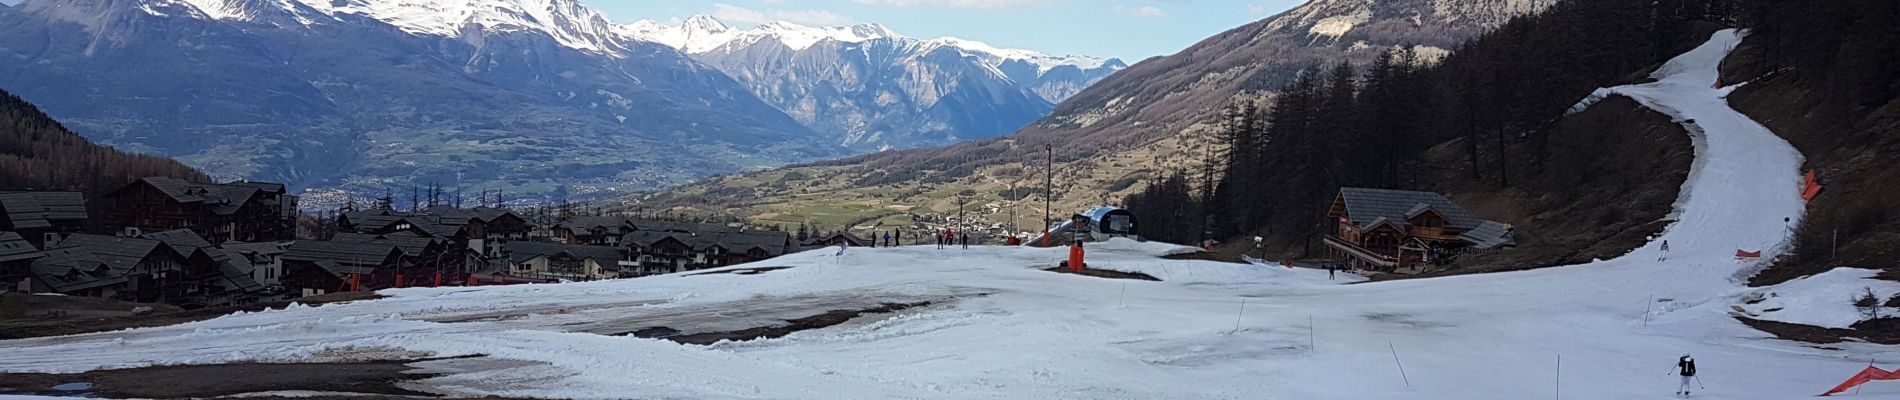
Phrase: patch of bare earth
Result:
[1882,331]
[824,320]
[1102,273]
[374,379]
[43,316]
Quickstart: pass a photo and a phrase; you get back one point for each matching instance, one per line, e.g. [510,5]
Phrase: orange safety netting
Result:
[1811,187]
[1872,373]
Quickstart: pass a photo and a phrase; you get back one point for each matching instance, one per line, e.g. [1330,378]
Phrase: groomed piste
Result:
[988,323]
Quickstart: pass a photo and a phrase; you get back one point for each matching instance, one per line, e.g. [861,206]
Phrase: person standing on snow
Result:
[841,247]
[1665,251]
[1685,367]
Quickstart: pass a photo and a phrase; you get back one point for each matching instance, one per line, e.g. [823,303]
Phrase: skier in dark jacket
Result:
[1685,367]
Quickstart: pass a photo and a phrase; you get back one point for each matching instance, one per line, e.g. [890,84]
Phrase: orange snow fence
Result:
[1872,373]
[1811,187]
[1747,254]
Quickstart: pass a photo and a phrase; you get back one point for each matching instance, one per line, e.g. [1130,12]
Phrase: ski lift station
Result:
[1101,223]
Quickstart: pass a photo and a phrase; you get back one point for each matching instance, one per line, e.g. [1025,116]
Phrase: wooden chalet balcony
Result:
[1363,254]
[1432,233]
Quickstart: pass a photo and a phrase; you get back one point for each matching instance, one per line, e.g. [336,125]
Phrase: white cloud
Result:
[1143,11]
[983,4]
[1256,9]
[737,14]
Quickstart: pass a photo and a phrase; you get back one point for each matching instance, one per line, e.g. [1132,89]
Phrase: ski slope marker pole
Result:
[1123,300]
[1560,376]
[1646,308]
[1309,334]
[1395,360]
[1243,311]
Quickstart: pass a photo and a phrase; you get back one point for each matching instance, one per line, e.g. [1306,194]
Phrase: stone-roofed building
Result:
[1406,230]
[653,252]
[75,272]
[594,230]
[480,229]
[563,261]
[42,218]
[142,270]
[266,260]
[243,211]
[227,280]
[318,267]
[16,262]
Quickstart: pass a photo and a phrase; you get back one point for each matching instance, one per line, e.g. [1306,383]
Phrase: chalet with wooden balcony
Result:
[242,211]
[1406,231]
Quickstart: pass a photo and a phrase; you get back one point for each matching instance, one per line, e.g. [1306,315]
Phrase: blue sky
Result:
[1130,29]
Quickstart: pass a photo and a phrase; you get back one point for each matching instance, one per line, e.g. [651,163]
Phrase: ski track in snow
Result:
[1033,334]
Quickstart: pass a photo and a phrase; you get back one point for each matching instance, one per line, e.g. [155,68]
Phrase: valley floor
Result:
[998,327]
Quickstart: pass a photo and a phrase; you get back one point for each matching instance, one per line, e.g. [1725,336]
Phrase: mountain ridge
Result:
[868,87]
[1158,114]
[277,93]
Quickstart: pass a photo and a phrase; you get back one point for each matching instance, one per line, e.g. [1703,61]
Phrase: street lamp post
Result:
[1048,190]
[963,224]
[1012,208]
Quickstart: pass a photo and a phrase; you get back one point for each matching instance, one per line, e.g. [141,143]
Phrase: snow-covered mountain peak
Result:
[567,21]
[701,34]
[1043,62]
[703,23]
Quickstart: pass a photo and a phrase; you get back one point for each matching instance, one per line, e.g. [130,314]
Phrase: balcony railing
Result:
[1437,233]
[1361,253]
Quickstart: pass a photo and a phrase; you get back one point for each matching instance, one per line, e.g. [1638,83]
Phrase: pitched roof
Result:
[1364,206]
[412,244]
[71,269]
[490,214]
[433,228]
[13,247]
[774,243]
[29,210]
[121,253]
[342,253]
[179,190]
[183,240]
[847,236]
[254,253]
[263,248]
[223,199]
[1490,234]
[519,251]
[239,277]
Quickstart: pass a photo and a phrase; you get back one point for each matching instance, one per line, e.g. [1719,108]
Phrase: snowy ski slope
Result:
[1000,329]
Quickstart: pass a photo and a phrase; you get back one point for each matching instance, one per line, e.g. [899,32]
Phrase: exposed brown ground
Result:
[1102,273]
[86,315]
[1882,331]
[202,381]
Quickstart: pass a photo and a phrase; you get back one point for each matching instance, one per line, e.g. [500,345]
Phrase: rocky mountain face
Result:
[1155,116]
[868,87]
[534,96]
